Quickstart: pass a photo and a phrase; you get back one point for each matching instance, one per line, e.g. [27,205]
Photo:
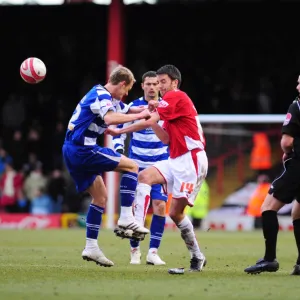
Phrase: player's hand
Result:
[285,156]
[152,104]
[112,131]
[145,114]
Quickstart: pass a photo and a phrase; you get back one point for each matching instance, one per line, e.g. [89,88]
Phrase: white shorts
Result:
[184,174]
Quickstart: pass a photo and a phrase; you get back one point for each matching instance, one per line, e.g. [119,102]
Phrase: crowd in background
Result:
[223,71]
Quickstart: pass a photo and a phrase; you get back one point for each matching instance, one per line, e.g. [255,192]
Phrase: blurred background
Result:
[236,57]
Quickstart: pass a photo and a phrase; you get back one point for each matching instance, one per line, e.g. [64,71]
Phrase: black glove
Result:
[121,151]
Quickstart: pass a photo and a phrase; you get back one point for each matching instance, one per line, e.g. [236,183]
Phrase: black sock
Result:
[270,229]
[296,224]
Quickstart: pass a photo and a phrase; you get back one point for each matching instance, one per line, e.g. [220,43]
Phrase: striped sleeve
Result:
[119,140]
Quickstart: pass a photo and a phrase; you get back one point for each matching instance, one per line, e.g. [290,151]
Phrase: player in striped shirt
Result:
[86,161]
[145,149]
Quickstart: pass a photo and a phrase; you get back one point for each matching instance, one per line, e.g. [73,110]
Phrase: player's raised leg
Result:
[127,190]
[156,232]
[146,179]
[91,251]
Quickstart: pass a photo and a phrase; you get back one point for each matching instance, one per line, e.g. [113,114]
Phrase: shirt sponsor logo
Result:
[163,103]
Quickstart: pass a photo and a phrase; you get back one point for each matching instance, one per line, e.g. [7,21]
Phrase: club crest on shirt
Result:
[163,103]
[287,119]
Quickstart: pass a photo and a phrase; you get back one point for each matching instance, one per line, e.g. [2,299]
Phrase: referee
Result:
[284,189]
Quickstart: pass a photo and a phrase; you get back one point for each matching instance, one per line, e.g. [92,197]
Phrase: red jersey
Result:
[181,123]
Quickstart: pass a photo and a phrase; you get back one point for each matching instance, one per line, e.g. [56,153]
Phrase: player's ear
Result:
[122,83]
[175,83]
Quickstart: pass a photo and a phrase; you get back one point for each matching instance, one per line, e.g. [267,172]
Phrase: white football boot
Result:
[97,256]
[132,224]
[135,256]
[197,264]
[153,258]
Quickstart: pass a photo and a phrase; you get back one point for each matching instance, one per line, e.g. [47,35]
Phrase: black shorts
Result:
[286,187]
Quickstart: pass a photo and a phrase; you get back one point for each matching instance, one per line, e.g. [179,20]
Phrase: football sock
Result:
[188,235]
[134,244]
[127,191]
[141,202]
[93,222]
[270,230]
[296,224]
[156,230]
[141,205]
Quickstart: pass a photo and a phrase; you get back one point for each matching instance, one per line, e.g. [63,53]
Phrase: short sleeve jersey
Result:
[291,125]
[181,122]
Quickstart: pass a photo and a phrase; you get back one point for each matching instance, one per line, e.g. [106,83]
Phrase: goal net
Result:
[229,141]
[230,138]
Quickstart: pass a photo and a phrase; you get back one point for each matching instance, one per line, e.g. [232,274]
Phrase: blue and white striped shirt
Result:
[145,147]
[87,121]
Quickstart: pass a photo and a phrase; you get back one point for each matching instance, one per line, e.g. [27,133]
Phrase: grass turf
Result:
[48,265]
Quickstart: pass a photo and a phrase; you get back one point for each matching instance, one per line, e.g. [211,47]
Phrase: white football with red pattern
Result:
[33,70]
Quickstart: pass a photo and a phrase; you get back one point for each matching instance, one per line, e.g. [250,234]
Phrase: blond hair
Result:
[120,74]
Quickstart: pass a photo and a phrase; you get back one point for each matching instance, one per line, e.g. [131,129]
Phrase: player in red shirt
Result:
[183,173]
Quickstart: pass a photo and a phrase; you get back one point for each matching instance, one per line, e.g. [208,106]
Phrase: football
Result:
[33,70]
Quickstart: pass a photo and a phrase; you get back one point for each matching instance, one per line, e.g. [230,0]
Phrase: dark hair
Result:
[171,71]
[148,74]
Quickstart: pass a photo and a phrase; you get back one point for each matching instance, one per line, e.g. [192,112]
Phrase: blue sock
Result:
[156,230]
[127,188]
[93,221]
[134,244]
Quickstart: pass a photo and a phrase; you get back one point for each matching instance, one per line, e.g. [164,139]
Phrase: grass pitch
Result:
[48,265]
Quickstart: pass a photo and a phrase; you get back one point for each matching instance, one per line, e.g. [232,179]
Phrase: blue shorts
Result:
[85,163]
[157,191]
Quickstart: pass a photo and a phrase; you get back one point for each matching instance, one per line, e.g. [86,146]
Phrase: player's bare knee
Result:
[127,165]
[296,215]
[296,210]
[145,177]
[134,167]
[159,207]
[271,203]
[130,166]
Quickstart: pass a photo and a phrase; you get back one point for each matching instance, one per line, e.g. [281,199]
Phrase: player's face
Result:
[166,84]
[298,85]
[150,87]
[123,89]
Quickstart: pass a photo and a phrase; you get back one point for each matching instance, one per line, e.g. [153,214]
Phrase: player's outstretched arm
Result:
[136,109]
[114,118]
[134,127]
[161,133]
